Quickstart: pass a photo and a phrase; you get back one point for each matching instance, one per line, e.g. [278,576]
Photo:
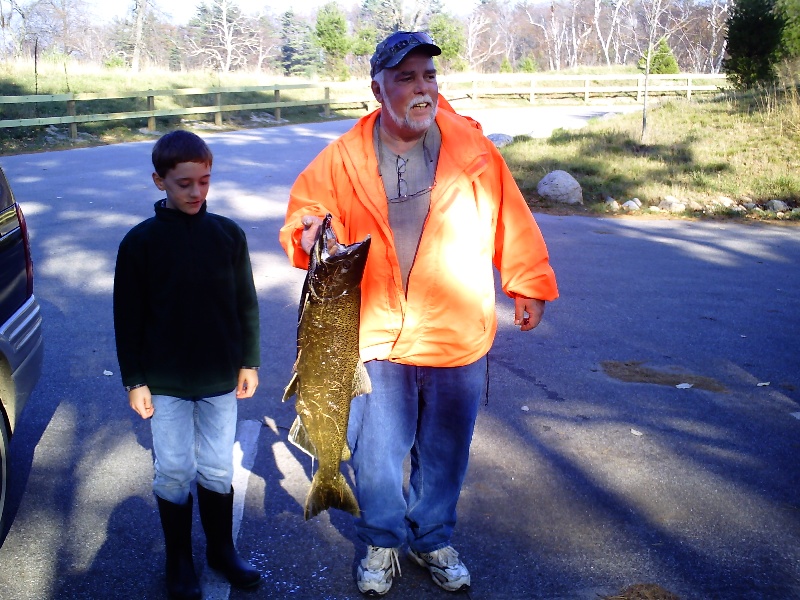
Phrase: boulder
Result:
[560,186]
[500,139]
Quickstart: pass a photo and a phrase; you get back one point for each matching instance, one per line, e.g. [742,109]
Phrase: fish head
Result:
[335,269]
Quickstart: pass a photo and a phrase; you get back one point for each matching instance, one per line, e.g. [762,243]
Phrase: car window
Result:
[6,197]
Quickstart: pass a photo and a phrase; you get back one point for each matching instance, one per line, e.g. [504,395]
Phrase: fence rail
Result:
[472,86]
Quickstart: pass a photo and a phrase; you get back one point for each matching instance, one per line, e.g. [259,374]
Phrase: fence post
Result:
[151,120]
[533,89]
[277,108]
[474,90]
[73,127]
[327,101]
[218,114]
[639,83]
[586,90]
[688,88]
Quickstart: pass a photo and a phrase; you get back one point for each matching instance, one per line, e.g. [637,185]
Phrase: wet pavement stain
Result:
[636,372]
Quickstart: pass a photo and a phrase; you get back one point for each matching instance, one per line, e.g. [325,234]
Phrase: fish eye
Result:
[346,265]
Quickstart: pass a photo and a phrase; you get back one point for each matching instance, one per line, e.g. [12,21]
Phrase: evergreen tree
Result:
[448,33]
[662,60]
[298,54]
[755,32]
[331,35]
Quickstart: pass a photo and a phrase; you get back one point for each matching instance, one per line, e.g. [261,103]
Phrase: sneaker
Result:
[445,568]
[376,570]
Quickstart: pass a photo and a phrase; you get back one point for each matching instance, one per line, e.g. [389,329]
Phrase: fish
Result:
[328,372]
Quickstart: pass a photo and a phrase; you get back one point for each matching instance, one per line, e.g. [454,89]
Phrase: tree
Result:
[297,50]
[221,35]
[330,34]
[662,60]
[755,35]
[448,33]
[791,29]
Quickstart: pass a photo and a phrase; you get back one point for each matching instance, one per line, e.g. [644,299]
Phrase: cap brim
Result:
[429,49]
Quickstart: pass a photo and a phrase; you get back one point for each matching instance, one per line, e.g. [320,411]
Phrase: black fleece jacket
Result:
[185,306]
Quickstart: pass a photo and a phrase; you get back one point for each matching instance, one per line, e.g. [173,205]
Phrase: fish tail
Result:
[336,494]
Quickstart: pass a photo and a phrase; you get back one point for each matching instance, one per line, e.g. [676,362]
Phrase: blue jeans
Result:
[193,438]
[430,413]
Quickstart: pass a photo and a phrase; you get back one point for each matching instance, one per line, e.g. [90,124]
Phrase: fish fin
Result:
[291,389]
[361,381]
[298,435]
[338,494]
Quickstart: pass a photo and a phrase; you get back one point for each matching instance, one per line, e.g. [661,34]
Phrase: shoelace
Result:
[378,559]
[445,557]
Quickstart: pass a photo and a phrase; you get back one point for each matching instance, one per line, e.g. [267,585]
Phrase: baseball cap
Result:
[391,51]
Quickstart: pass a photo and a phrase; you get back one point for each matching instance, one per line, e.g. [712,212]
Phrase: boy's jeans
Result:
[429,412]
[193,438]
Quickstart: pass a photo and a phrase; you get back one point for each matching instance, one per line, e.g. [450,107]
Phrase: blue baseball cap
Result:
[391,51]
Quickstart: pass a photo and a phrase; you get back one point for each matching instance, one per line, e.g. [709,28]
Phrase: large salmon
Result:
[328,372]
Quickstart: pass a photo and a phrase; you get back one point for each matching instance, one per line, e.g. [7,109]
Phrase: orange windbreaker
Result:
[477,218]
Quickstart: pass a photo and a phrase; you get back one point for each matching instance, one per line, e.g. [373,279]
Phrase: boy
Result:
[187,335]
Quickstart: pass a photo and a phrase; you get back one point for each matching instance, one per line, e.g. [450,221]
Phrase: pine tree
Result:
[755,30]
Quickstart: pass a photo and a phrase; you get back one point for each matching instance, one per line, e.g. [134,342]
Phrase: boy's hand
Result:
[141,401]
[248,382]
[309,236]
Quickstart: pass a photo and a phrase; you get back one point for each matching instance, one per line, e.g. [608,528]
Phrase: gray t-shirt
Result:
[408,181]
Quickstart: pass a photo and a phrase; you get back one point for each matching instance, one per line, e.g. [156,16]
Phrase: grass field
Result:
[738,146]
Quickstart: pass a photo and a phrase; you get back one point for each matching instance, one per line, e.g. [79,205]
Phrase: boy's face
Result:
[186,186]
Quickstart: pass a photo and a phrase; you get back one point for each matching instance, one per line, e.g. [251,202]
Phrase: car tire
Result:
[4,440]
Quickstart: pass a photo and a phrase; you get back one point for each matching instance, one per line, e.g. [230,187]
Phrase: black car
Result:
[21,347]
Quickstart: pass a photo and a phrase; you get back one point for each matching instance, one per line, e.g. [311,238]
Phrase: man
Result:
[441,207]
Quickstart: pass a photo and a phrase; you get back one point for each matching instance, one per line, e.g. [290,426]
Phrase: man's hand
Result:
[248,382]
[534,309]
[141,401]
[310,227]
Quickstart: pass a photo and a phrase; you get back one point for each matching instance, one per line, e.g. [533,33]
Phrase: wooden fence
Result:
[473,86]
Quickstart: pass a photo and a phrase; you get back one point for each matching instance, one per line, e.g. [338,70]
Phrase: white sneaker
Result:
[376,571]
[445,568]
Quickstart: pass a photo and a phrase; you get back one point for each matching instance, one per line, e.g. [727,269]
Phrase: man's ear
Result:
[376,91]
[158,181]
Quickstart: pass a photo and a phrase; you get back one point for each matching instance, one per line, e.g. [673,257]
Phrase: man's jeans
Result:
[193,438]
[429,412]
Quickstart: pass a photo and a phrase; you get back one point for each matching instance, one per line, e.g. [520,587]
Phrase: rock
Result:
[750,205]
[725,201]
[695,206]
[777,206]
[630,206]
[560,186]
[739,209]
[612,205]
[637,202]
[500,139]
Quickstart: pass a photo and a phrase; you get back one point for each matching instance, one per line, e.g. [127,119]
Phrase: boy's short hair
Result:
[177,147]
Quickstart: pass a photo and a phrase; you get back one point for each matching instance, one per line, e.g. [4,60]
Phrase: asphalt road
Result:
[580,483]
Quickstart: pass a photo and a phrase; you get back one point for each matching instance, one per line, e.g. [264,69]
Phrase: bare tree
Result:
[608,14]
[555,34]
[482,43]
[221,35]
[139,10]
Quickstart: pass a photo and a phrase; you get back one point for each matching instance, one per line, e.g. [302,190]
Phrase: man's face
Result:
[409,95]
[186,186]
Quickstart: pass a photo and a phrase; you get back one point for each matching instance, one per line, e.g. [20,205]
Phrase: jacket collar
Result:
[170,214]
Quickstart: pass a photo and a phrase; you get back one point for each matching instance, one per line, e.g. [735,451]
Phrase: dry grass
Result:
[740,147]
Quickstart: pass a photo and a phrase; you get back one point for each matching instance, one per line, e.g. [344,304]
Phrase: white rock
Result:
[725,201]
[560,186]
[630,205]
[612,205]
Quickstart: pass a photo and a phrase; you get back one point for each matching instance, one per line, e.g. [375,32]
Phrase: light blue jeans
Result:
[193,438]
[430,413]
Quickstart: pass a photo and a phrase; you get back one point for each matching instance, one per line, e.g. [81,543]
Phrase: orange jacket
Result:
[477,217]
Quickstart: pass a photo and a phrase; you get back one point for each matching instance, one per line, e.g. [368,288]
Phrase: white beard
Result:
[405,121]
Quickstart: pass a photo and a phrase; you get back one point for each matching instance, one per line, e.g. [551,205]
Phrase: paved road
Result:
[580,483]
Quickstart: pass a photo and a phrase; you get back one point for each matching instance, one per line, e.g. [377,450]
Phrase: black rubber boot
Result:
[176,520]
[216,515]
